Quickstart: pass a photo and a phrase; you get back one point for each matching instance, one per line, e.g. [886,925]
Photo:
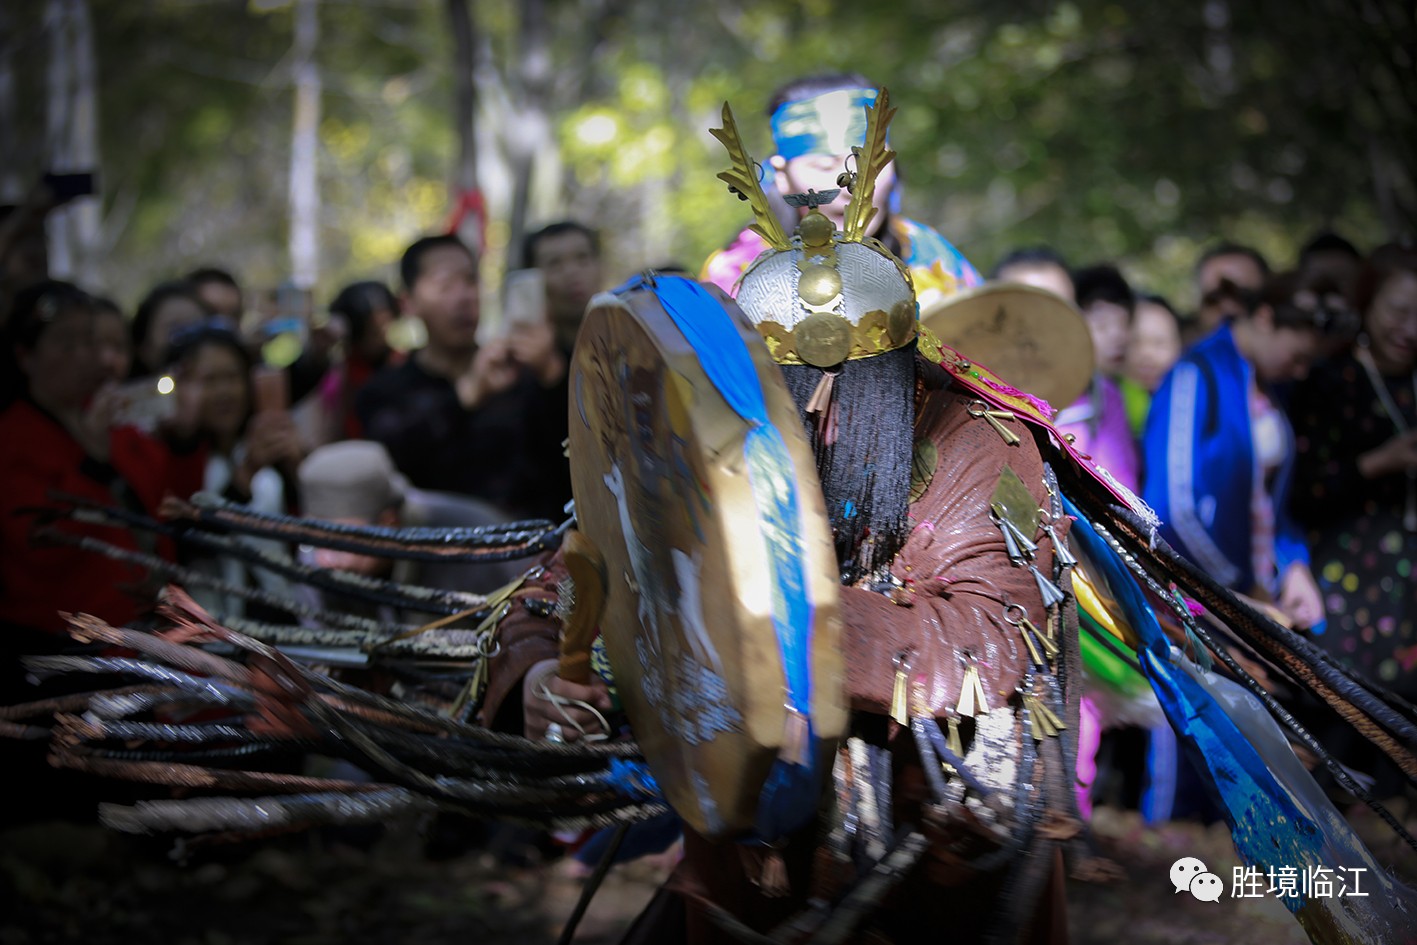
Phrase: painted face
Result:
[1392,323]
[572,273]
[1110,325]
[447,297]
[819,172]
[1154,346]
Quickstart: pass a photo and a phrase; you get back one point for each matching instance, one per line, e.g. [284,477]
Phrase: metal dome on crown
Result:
[823,296]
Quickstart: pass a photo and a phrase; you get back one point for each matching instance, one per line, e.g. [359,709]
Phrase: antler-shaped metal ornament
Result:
[870,161]
[742,181]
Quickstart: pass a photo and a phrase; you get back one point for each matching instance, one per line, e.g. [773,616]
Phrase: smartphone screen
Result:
[524,295]
[145,403]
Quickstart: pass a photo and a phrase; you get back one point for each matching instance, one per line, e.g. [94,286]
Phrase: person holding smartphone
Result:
[251,443]
[62,436]
[477,418]
[567,254]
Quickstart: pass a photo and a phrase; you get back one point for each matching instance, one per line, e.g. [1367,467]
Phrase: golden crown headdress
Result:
[820,296]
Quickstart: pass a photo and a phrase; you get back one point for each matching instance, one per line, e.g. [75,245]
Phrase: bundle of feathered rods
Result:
[194,704]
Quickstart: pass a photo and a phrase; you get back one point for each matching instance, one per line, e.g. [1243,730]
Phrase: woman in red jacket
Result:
[59,438]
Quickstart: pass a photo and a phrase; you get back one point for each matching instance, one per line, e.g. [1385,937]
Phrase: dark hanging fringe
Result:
[486,543]
[865,469]
[345,584]
[1029,871]
[222,757]
[933,750]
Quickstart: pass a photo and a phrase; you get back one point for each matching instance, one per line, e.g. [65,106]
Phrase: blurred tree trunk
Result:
[466,197]
[71,140]
[529,133]
[465,100]
[12,182]
[305,141]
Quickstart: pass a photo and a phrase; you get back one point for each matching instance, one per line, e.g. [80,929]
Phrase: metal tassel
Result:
[471,694]
[899,709]
[1035,725]
[1062,554]
[972,700]
[1049,591]
[1052,718]
[819,405]
[1010,542]
[952,739]
[993,416]
[1028,642]
[1031,629]
[1043,723]
[965,706]
[1030,548]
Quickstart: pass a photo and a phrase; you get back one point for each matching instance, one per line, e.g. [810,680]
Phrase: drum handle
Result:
[586,567]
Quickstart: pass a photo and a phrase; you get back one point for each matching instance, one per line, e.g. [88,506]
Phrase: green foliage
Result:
[1109,130]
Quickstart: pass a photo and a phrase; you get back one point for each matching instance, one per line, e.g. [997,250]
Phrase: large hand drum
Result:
[1031,338]
[694,480]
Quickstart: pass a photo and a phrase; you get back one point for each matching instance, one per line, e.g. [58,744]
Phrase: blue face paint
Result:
[830,123]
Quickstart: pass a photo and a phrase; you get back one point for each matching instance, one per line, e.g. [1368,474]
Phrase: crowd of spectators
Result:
[190,395]
[1273,427]
[1273,432]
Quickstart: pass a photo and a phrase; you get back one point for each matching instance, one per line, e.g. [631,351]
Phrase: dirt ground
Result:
[67,882]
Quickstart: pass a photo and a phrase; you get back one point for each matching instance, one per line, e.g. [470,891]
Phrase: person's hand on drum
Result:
[560,710]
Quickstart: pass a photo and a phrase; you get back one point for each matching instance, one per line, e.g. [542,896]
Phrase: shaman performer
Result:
[955,632]
[816,121]
[832,577]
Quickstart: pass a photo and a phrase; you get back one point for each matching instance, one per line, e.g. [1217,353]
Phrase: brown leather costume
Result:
[957,584]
